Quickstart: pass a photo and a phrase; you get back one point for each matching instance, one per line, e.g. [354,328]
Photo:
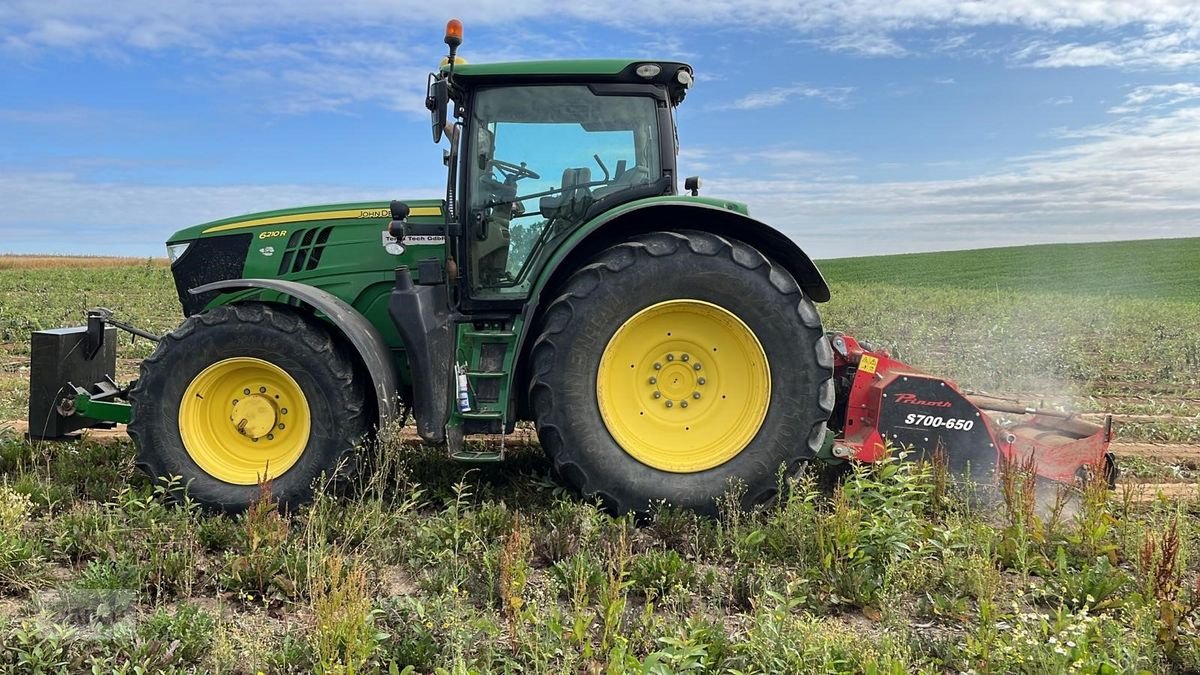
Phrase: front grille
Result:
[205,261]
[304,249]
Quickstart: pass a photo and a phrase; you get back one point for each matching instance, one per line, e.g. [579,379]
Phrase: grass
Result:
[431,566]
[1152,269]
[494,571]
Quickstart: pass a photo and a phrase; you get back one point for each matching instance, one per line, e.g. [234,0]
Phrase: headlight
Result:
[175,251]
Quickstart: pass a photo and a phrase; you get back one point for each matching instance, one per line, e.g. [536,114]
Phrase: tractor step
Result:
[482,415]
[483,376]
[478,456]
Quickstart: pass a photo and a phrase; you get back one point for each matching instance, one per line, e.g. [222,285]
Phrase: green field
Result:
[1153,269]
[442,567]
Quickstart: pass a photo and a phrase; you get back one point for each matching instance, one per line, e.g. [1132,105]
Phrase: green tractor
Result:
[664,344]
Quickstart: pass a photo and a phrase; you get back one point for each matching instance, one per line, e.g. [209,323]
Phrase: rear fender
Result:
[680,213]
[655,214]
[362,335]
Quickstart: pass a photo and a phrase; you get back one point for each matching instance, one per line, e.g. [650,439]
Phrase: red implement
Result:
[882,401]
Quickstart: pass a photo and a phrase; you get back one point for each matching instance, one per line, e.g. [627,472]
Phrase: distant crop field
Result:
[1156,269]
[41,262]
[426,565]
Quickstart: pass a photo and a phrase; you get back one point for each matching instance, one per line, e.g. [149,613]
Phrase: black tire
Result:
[303,347]
[641,272]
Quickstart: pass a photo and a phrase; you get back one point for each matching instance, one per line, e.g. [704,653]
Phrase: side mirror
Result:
[437,99]
[398,228]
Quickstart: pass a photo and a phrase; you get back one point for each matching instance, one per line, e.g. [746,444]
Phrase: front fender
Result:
[362,334]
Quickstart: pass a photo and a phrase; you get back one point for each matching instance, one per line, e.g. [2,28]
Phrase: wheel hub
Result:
[243,420]
[683,386]
[678,379]
[254,416]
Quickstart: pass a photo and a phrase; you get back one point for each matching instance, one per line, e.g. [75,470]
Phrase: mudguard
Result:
[365,338]
[679,212]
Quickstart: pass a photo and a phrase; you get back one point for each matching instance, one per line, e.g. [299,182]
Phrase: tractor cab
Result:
[539,148]
[540,159]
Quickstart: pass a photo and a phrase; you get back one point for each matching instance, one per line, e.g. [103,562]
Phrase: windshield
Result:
[541,156]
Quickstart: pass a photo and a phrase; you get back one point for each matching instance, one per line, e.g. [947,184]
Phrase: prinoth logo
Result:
[912,399]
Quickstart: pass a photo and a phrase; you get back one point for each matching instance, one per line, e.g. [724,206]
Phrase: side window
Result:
[540,157]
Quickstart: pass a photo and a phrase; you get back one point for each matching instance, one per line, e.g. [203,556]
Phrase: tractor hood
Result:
[264,220]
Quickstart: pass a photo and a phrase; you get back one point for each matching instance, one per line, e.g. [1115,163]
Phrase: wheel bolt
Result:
[262,390]
[246,392]
[684,358]
[235,401]
[658,394]
[683,404]
[670,357]
[696,366]
[283,411]
[254,439]
[696,395]
[270,437]
[658,366]
[281,427]
[654,380]
[701,381]
[670,404]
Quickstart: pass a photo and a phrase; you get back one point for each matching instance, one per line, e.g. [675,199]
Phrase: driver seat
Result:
[573,201]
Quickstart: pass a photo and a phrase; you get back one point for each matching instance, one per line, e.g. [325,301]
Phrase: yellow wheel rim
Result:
[683,386]
[244,419]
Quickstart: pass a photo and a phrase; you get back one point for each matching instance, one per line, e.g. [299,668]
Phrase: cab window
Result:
[541,156]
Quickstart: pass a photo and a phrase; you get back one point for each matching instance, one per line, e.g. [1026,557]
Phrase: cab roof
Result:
[575,70]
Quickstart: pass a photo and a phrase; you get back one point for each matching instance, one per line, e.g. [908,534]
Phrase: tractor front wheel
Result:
[242,394]
[676,366]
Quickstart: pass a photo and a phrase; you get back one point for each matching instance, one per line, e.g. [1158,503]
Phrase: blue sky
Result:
[857,127]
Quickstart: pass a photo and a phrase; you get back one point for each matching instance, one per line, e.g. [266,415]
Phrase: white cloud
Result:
[1136,178]
[862,44]
[1166,29]
[1164,50]
[777,96]
[1060,100]
[136,218]
[952,43]
[1158,96]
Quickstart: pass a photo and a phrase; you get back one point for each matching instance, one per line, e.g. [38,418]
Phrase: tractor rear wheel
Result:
[240,394]
[675,365]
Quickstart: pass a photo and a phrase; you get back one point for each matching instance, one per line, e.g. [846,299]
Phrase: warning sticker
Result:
[868,364]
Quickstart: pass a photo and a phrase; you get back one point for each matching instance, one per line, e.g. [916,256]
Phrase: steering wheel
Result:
[514,172]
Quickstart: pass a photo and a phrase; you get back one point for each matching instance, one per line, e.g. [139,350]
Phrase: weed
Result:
[514,574]
[105,591]
[661,571]
[30,646]
[21,564]
[259,568]
[190,627]
[344,637]
[1160,567]
[580,578]
[1096,584]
